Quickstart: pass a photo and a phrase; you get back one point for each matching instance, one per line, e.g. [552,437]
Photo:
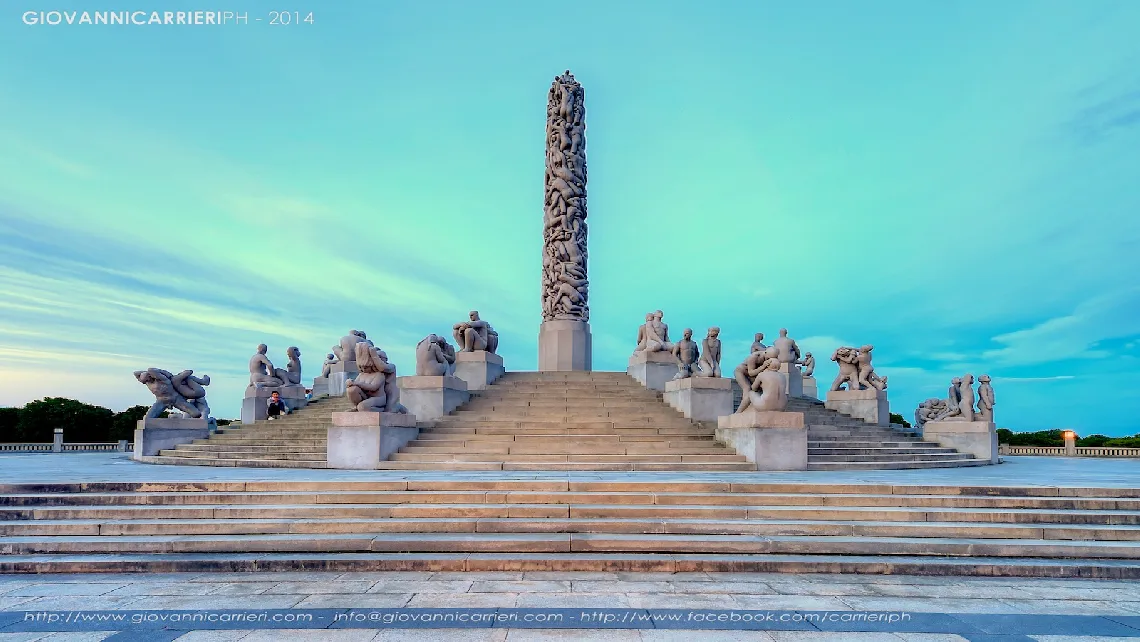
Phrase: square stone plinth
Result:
[320,386]
[793,380]
[564,345]
[339,373]
[978,438]
[811,389]
[478,368]
[166,433]
[653,369]
[772,440]
[869,405]
[700,398]
[429,398]
[253,407]
[361,440]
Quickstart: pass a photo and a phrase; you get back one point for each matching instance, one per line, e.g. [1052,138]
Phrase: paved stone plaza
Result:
[1016,471]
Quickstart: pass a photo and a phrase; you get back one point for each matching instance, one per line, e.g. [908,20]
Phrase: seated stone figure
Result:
[261,370]
[182,391]
[330,361]
[758,343]
[709,364]
[435,357]
[768,390]
[687,354]
[291,374]
[475,334]
[374,389]
[746,373]
[808,364]
[346,349]
[653,335]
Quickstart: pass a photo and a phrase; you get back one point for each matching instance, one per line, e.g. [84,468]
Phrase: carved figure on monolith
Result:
[985,399]
[435,357]
[758,343]
[170,392]
[808,364]
[261,370]
[475,334]
[330,360]
[709,364]
[687,354]
[788,351]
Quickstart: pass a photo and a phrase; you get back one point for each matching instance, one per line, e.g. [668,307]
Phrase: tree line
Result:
[1057,438]
[37,420]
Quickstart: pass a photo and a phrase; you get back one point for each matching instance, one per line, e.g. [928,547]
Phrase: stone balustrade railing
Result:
[1069,451]
[121,446]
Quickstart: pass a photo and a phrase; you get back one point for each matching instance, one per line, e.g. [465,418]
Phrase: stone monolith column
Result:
[564,336]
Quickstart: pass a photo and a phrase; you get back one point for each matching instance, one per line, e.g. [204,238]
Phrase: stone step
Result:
[226,454]
[896,465]
[568,448]
[515,543]
[205,445]
[724,456]
[242,463]
[584,438]
[680,526]
[651,562]
[569,466]
[889,457]
[569,430]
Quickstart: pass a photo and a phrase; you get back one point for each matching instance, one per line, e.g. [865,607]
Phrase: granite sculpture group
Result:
[183,392]
[385,407]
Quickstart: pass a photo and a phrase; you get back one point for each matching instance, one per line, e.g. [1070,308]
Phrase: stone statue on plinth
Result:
[928,410]
[262,374]
[808,364]
[768,390]
[182,391]
[475,334]
[435,357]
[290,375]
[653,335]
[687,353]
[758,343]
[848,361]
[374,389]
[746,373]
[330,360]
[786,348]
[867,377]
[709,363]
[985,399]
[345,351]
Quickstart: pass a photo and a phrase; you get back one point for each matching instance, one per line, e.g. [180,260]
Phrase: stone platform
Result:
[1008,520]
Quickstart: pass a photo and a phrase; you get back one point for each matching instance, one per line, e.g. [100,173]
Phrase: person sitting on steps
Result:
[275,406]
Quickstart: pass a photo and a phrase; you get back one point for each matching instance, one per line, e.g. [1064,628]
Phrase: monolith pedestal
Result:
[430,398]
[793,379]
[773,440]
[339,373]
[869,405]
[361,440]
[320,386]
[978,438]
[811,388]
[564,345]
[700,398]
[478,368]
[154,434]
[652,369]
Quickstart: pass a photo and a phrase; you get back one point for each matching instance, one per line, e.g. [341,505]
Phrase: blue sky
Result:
[956,183]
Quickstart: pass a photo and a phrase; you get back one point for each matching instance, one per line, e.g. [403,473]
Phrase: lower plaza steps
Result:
[603,522]
[600,421]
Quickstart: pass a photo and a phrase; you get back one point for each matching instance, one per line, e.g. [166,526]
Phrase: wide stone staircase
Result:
[569,521]
[603,421]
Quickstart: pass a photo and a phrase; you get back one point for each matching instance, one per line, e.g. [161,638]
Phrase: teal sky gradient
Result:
[955,182]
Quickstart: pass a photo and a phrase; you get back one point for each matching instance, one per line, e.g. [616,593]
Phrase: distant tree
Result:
[1094,441]
[1040,438]
[80,421]
[124,424]
[9,421]
[896,418]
